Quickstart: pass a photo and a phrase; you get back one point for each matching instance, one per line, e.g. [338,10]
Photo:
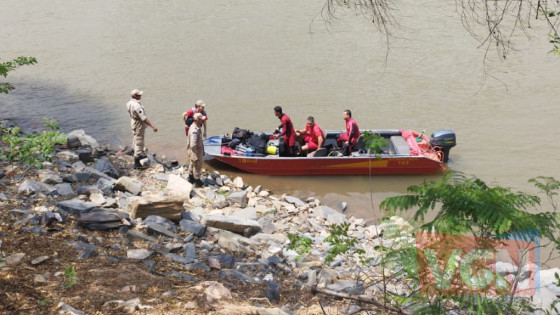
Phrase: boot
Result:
[191,179]
[137,164]
[198,183]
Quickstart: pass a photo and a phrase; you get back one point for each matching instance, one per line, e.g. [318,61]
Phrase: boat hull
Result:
[333,165]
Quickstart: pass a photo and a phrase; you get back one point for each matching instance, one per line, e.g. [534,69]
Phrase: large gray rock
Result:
[85,140]
[49,177]
[29,187]
[139,254]
[158,229]
[75,206]
[168,224]
[249,213]
[104,166]
[178,186]
[101,220]
[295,201]
[132,235]
[233,224]
[351,287]
[329,214]
[239,197]
[192,227]
[67,156]
[64,189]
[129,184]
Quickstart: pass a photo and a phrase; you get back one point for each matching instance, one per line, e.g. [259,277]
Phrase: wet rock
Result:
[192,227]
[139,254]
[104,166]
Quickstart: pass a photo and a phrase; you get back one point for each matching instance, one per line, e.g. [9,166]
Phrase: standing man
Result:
[348,140]
[287,131]
[311,137]
[199,107]
[195,150]
[138,123]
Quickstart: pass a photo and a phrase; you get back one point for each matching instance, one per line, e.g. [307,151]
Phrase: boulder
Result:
[129,184]
[169,207]
[178,186]
[233,224]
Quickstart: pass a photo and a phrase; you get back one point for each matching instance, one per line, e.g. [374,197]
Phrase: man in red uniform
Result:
[199,107]
[287,130]
[348,140]
[311,137]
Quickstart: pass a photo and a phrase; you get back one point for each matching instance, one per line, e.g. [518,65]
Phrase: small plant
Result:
[32,149]
[340,242]
[44,302]
[71,277]
[301,244]
[374,143]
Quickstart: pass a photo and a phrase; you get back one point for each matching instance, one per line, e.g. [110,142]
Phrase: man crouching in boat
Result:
[311,137]
[287,130]
[348,140]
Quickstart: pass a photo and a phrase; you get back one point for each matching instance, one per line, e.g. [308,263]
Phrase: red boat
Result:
[407,152]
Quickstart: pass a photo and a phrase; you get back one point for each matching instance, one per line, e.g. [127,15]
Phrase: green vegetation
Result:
[31,149]
[301,244]
[71,277]
[462,206]
[374,143]
[44,302]
[5,67]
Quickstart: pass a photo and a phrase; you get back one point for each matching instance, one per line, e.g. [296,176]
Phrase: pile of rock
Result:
[228,227]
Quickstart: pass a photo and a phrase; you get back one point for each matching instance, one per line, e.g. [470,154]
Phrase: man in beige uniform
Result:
[195,149]
[138,124]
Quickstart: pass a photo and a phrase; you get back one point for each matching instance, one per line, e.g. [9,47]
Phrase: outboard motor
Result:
[445,139]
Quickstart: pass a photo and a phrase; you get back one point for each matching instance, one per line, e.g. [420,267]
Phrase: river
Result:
[244,57]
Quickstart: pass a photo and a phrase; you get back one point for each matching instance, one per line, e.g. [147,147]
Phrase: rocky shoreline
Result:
[88,234]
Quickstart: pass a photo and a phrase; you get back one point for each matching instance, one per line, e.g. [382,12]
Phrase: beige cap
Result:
[200,103]
[136,92]
[199,116]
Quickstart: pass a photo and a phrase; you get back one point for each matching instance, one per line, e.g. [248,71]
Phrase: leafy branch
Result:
[5,67]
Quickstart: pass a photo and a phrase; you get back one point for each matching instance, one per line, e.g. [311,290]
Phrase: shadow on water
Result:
[34,100]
